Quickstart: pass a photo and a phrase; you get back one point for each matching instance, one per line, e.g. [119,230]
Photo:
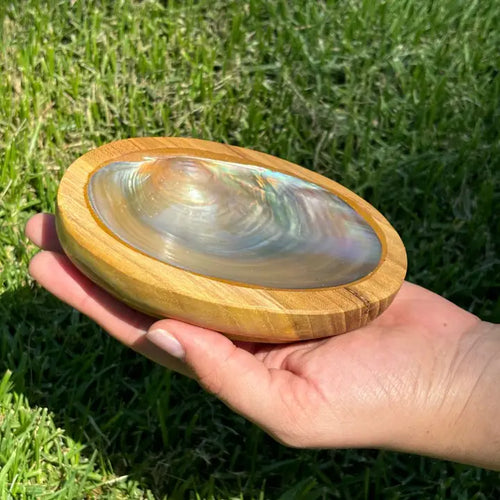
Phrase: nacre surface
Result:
[236,222]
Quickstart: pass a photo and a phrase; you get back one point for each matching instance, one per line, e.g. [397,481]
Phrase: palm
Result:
[359,375]
[386,364]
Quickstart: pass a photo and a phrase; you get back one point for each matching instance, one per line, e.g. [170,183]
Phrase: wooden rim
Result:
[99,253]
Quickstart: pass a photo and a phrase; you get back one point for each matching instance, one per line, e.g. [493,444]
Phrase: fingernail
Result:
[167,342]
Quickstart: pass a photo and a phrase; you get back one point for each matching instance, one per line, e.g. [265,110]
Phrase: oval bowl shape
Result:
[232,221]
[227,238]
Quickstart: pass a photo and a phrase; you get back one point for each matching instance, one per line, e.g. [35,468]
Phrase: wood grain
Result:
[240,311]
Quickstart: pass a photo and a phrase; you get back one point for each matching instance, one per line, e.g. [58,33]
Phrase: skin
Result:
[421,378]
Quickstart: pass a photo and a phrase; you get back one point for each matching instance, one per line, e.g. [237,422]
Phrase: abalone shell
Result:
[235,222]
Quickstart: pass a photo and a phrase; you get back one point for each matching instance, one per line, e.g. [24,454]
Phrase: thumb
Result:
[231,373]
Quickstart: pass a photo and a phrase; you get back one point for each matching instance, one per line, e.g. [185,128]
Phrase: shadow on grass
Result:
[163,431]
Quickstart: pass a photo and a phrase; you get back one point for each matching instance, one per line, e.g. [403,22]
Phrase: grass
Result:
[399,101]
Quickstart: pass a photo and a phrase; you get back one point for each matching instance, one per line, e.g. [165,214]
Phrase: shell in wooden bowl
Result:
[240,223]
[228,238]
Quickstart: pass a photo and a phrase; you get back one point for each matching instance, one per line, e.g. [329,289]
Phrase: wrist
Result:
[475,400]
[458,417]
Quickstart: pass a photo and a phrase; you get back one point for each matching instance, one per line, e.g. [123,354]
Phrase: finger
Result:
[230,372]
[41,230]
[57,274]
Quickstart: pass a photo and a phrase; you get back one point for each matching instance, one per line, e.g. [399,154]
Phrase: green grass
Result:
[399,101]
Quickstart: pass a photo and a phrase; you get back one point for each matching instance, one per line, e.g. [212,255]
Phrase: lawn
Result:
[398,101]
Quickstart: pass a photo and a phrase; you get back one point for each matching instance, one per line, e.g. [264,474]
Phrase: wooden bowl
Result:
[239,310]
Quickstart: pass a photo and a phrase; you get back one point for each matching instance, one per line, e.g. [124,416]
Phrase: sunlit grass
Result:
[399,101]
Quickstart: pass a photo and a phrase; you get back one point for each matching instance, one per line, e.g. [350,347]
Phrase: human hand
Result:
[419,378]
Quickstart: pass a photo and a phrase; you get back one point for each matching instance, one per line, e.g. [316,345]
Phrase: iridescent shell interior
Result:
[236,222]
